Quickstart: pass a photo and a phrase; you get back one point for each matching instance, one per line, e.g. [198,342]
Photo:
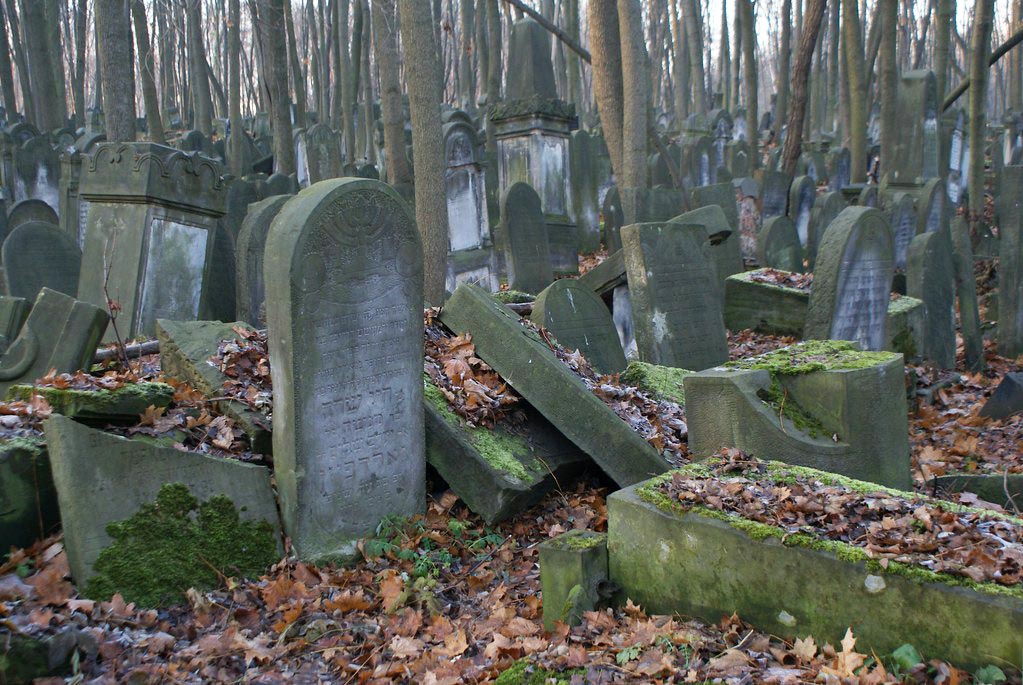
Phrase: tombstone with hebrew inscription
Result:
[852,279]
[675,295]
[344,304]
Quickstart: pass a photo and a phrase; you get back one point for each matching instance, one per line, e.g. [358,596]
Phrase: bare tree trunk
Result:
[202,100]
[635,72]
[781,107]
[496,65]
[607,77]
[44,86]
[697,78]
[351,80]
[1016,63]
[6,72]
[983,18]
[113,38]
[296,69]
[466,39]
[834,86]
[368,121]
[857,91]
[424,107]
[888,12]
[81,35]
[749,59]
[339,28]
[572,59]
[150,101]
[800,77]
[56,50]
[386,50]
[272,15]
[737,55]
[681,64]
[724,59]
[236,148]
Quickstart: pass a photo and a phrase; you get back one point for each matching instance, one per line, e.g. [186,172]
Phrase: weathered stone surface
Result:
[663,382]
[774,194]
[915,152]
[37,172]
[38,255]
[825,209]
[614,217]
[530,70]
[930,277]
[778,245]
[723,235]
[527,251]
[251,289]
[470,248]
[30,210]
[323,147]
[675,296]
[1007,398]
[529,366]
[578,318]
[606,276]
[764,307]
[573,568]
[900,210]
[1005,490]
[706,567]
[91,468]
[125,403]
[848,418]
[852,278]
[343,272]
[501,471]
[802,196]
[60,333]
[585,188]
[13,312]
[28,499]
[1010,270]
[185,350]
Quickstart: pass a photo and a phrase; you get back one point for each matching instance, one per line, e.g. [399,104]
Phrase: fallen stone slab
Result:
[529,365]
[102,478]
[28,500]
[185,350]
[125,403]
[706,563]
[1005,490]
[1007,399]
[606,276]
[501,471]
[663,382]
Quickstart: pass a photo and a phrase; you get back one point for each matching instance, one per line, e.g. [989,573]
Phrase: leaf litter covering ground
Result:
[439,599]
[789,279]
[984,547]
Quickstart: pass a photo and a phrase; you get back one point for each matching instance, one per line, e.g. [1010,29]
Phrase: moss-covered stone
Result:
[663,382]
[765,307]
[124,403]
[707,563]
[814,355]
[573,566]
[524,672]
[513,297]
[28,500]
[177,543]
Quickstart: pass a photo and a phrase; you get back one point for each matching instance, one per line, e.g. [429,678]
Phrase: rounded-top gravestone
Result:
[249,250]
[802,195]
[39,255]
[778,245]
[528,256]
[825,209]
[902,218]
[30,210]
[579,319]
[614,217]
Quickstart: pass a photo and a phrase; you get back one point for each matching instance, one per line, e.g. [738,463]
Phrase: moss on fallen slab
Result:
[126,402]
[663,382]
[813,355]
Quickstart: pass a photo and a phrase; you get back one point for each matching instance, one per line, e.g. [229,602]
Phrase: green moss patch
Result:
[175,544]
[127,401]
[524,672]
[513,297]
[813,355]
[663,382]
[776,397]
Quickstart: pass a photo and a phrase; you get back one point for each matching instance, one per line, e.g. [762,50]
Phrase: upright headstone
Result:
[72,207]
[774,193]
[614,217]
[724,241]
[470,249]
[344,272]
[585,188]
[323,150]
[1010,272]
[580,320]
[280,184]
[527,255]
[802,195]
[250,288]
[901,214]
[675,295]
[840,169]
[30,210]
[37,172]
[38,255]
[930,277]
[825,209]
[60,333]
[148,237]
[852,280]
[915,153]
[778,245]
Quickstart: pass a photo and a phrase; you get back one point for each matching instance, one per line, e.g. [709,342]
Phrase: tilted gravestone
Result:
[802,195]
[724,242]
[774,193]
[72,207]
[250,289]
[580,320]
[778,245]
[527,250]
[39,255]
[60,333]
[13,312]
[840,169]
[825,209]
[29,210]
[852,280]
[529,365]
[281,184]
[344,270]
[675,295]
[91,468]
[930,278]
[1010,274]
[148,240]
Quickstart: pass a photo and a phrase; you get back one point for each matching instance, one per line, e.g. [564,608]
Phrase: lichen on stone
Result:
[176,543]
[813,355]
[664,382]
[513,297]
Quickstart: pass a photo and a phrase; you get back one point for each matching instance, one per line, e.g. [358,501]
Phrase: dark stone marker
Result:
[1007,398]
[675,295]
[902,218]
[802,195]
[27,494]
[37,255]
[774,193]
[723,235]
[852,279]
[528,256]
[778,245]
[614,217]
[344,275]
[825,209]
[580,320]
[30,210]
[930,277]
[251,290]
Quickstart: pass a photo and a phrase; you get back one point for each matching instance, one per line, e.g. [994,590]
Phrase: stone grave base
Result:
[30,500]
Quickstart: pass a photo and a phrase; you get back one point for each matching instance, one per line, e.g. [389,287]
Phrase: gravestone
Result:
[930,278]
[344,274]
[280,184]
[915,151]
[148,241]
[774,193]
[675,295]
[37,172]
[724,242]
[219,297]
[30,210]
[802,196]
[60,333]
[532,127]
[302,170]
[852,279]
[470,249]
[250,289]
[38,255]
[1010,273]
[778,245]
[582,158]
[579,320]
[323,147]
[825,209]
[1006,400]
[901,215]
[27,494]
[13,312]
[527,251]
[91,468]
[840,169]
[196,141]
[614,218]
[72,208]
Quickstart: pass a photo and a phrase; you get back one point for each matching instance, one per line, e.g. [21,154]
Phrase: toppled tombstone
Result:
[103,478]
[606,276]
[530,366]
[185,351]
[90,403]
[822,404]
[1007,399]
[60,334]
[580,320]
[1004,489]
[725,536]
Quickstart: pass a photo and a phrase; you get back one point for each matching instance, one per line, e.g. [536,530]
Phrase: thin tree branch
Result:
[1013,40]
